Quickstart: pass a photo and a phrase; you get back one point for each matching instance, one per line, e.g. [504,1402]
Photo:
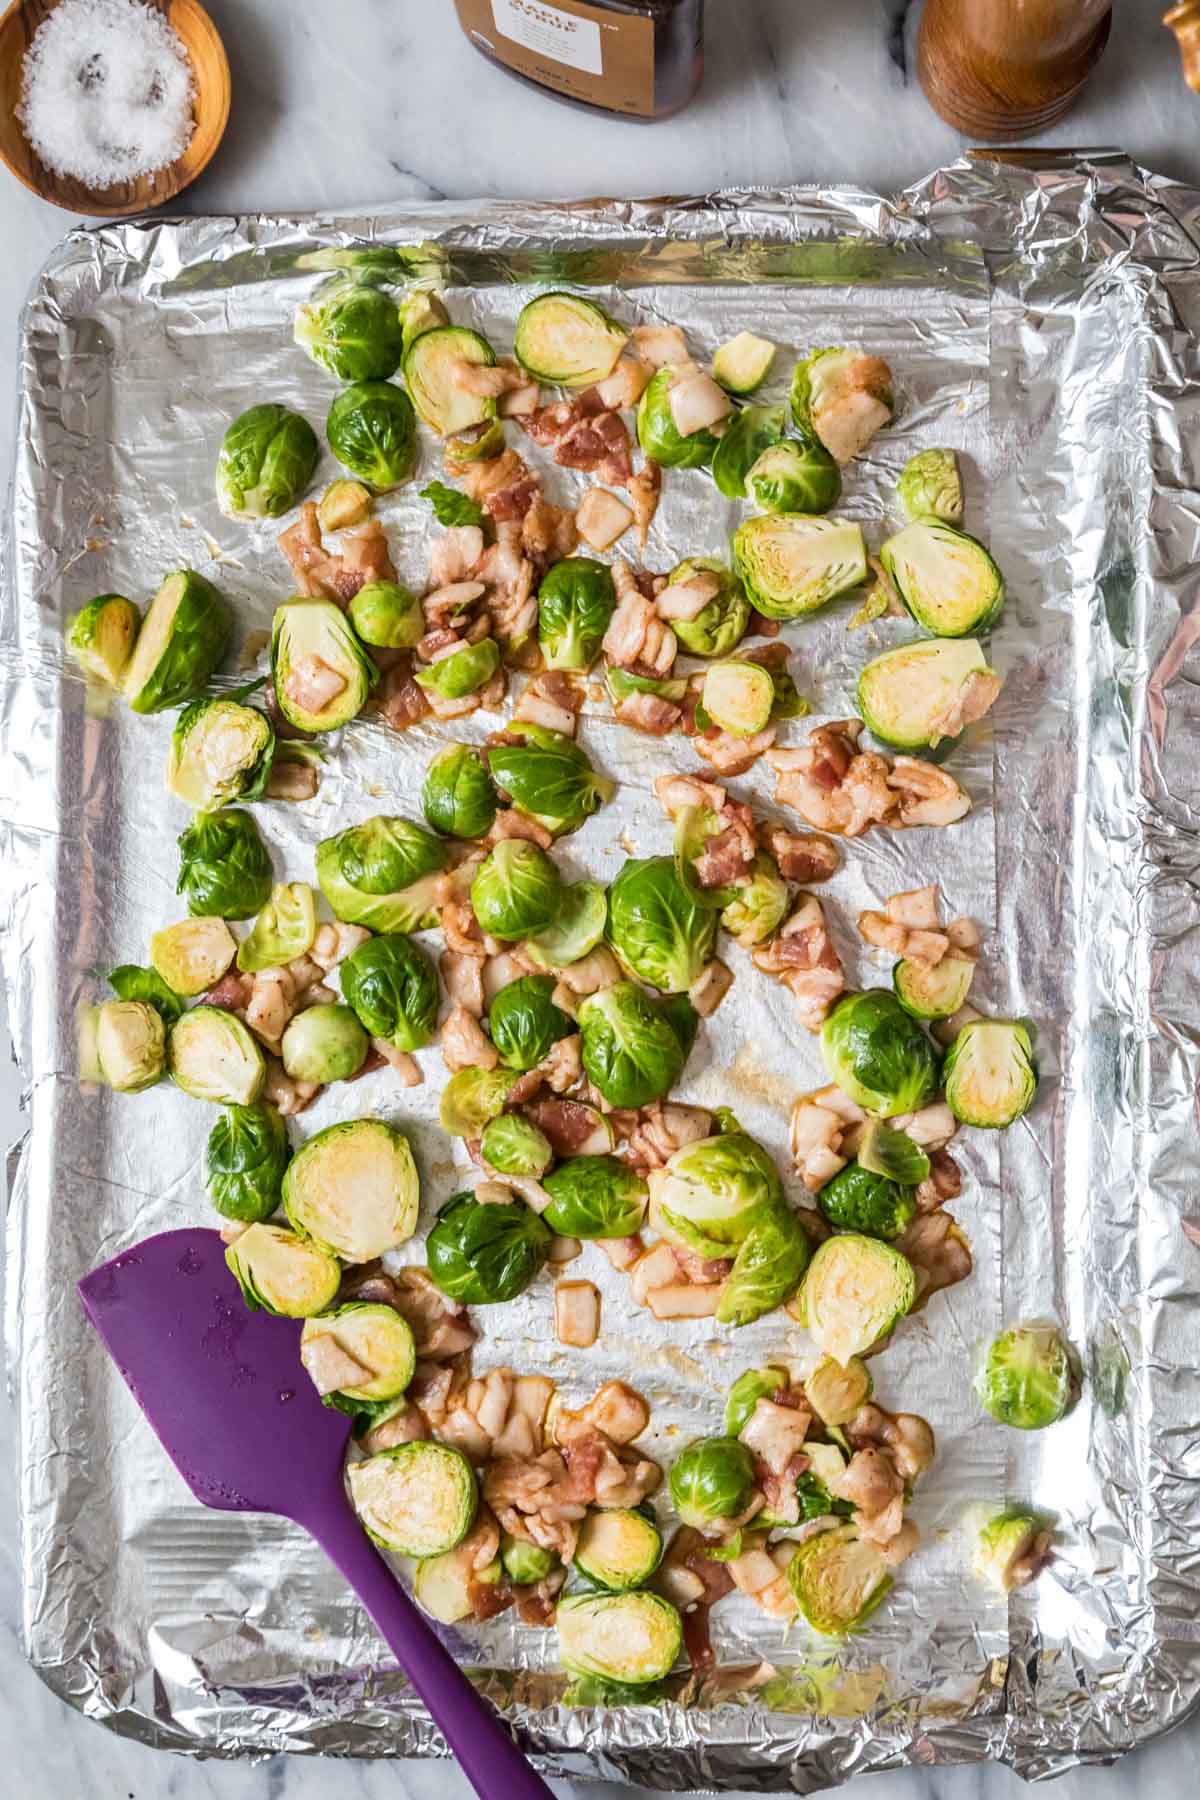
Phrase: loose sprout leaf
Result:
[283,930]
[129,981]
[892,1154]
[452,507]
[482,1255]
[767,1269]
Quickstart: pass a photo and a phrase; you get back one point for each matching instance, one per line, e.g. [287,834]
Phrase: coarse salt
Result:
[106,92]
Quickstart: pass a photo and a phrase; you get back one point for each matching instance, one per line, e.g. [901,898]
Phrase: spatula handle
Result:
[486,1753]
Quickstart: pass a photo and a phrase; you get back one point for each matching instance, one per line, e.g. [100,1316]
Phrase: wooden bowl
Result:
[210,67]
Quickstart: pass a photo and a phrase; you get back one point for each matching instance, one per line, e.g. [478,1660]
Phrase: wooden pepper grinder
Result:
[1000,69]
[1184,21]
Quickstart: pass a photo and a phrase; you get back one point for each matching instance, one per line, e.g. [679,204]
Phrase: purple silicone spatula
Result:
[225,1390]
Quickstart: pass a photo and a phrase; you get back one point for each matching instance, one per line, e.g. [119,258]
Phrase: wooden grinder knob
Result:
[1001,69]
[1185,23]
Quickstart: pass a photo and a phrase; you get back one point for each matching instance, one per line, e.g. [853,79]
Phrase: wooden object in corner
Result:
[1184,21]
[1001,69]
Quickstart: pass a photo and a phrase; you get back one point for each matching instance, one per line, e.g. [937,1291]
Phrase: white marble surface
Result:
[349,102]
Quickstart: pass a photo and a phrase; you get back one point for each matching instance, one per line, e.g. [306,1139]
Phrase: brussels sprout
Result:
[836,1390]
[525,1563]
[632,1049]
[946,579]
[516,891]
[481,1254]
[220,751]
[770,1261]
[838,1579]
[266,462]
[393,988]
[418,1499]
[353,330]
[752,430]
[447,1586]
[101,637]
[457,796]
[565,339]
[930,487]
[757,909]
[695,827]
[550,779]
[712,1481]
[420,311]
[933,993]
[1026,1378]
[224,866]
[321,674]
[798,476]
[721,623]
[244,1160]
[283,930]
[629,1638]
[183,638]
[212,1056]
[131,982]
[463,672]
[283,1273]
[750,1387]
[738,696]
[524,1022]
[513,1145]
[343,504]
[618,1548]
[126,1045]
[594,1197]
[387,614]
[657,930]
[892,1154]
[879,1055]
[858,1199]
[659,435]
[353,1188]
[193,955]
[907,694]
[384,873]
[324,1043]
[622,683]
[430,366]
[473,1097]
[576,931]
[743,364]
[841,397]
[793,563]
[479,443]
[989,1073]
[855,1291]
[1003,1543]
[720,1187]
[378,1339]
[575,603]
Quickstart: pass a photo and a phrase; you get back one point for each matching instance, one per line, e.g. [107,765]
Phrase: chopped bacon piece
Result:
[231,993]
[509,823]
[927,795]
[663,1128]
[551,700]
[803,958]
[687,599]
[710,987]
[648,712]
[943,1182]
[400,699]
[599,446]
[365,554]
[644,490]
[487,380]
[601,518]
[802,856]
[623,388]
[464,1045]
[659,345]
[569,1126]
[730,755]
[697,402]
[462,977]
[444,606]
[315,569]
[576,1313]
[637,638]
[454,555]
[938,1251]
[548,533]
[761,626]
[975,698]
[311,683]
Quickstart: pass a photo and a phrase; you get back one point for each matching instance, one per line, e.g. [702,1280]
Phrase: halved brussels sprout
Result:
[743,364]
[524,1022]
[935,992]
[738,696]
[373,433]
[892,1154]
[221,750]
[212,1056]
[618,1548]
[838,1579]
[878,1054]
[1026,1378]
[129,981]
[352,329]
[657,930]
[841,397]
[101,637]
[457,797]
[266,462]
[576,931]
[989,1073]
[324,1043]
[855,1291]
[473,1097]
[946,579]
[387,614]
[516,892]
[633,1050]
[353,1189]
[478,443]
[576,601]
[128,1045]
[793,563]
[283,1273]
[193,955]
[393,987]
[859,1199]
[183,637]
[836,1390]
[430,364]
[595,1197]
[525,1563]
[905,695]
[1003,1542]
[930,487]
[712,1481]
[750,1387]
[756,910]
[750,432]
[420,311]
[417,1499]
[244,1160]
[513,1145]
[482,1254]
[377,1338]
[770,1261]
[321,673]
[447,1586]
[463,672]
[283,930]
[224,866]
[568,340]
[630,1638]
[721,623]
[344,504]
[384,873]
[797,476]
[720,1188]
[658,434]
[550,778]
[695,827]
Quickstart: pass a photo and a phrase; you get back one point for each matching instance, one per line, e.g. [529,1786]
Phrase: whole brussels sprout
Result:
[838,1579]
[525,1563]
[657,930]
[463,672]
[224,866]
[387,614]
[481,1255]
[550,779]
[659,435]
[524,1022]
[595,1197]
[759,908]
[513,1145]
[221,750]
[384,873]
[989,1073]
[858,1200]
[712,1481]
[473,1097]
[632,1049]
[721,623]
[458,798]
[793,563]
[767,1269]
[101,637]
[127,1045]
[750,432]
[930,487]
[576,601]
[244,1161]
[720,1188]
[798,476]
[393,987]
[353,330]
[372,430]
[183,637]
[749,1388]
[516,891]
[283,930]
[1026,1378]
[324,1043]
[266,462]
[879,1055]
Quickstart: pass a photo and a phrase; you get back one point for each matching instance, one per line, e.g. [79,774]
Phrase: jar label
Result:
[562,35]
[586,52]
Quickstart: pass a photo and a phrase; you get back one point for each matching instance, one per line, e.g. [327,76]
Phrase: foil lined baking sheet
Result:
[1040,319]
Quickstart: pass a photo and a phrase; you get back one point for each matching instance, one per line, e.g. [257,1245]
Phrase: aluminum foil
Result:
[1041,319]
